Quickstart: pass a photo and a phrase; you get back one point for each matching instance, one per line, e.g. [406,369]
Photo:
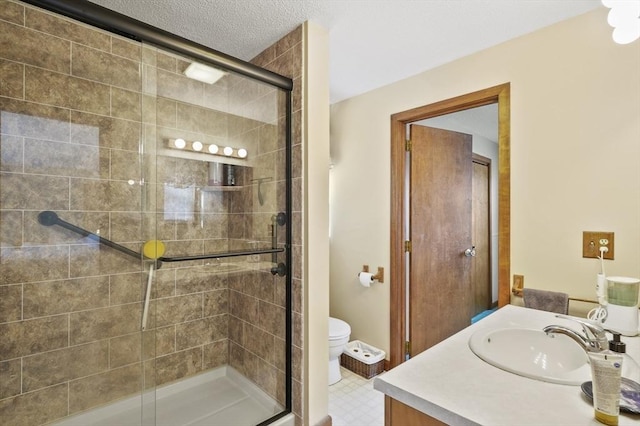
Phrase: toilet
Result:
[339,332]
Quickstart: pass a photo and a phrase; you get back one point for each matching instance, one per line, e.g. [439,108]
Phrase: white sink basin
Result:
[532,353]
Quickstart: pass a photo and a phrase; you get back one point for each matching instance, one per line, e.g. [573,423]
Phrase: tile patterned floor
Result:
[354,402]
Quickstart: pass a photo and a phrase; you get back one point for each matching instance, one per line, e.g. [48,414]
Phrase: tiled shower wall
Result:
[76,106]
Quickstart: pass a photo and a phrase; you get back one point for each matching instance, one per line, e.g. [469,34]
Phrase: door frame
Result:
[498,94]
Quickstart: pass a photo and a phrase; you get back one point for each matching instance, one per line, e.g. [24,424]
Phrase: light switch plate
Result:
[591,242]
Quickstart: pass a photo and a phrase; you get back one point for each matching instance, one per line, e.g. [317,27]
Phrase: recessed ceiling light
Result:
[203,73]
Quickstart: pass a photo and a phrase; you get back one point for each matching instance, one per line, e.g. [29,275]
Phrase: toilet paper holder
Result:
[379,276]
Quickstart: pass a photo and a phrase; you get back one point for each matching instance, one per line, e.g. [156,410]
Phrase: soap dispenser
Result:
[630,368]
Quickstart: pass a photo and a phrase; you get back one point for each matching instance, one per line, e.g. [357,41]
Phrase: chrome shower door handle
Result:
[470,252]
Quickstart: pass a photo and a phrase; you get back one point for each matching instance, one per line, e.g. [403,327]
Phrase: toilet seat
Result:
[338,329]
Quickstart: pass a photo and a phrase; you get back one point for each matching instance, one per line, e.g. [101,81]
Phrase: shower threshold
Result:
[219,397]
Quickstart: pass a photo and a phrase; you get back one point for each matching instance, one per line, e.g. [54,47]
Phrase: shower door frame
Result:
[106,19]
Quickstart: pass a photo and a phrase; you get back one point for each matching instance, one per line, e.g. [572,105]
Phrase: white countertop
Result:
[450,383]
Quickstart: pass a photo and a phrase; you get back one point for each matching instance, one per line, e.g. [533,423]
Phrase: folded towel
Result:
[543,300]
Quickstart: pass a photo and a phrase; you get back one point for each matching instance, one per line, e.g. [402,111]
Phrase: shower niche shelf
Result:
[222,188]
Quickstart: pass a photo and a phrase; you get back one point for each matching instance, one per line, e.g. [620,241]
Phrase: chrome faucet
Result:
[593,340]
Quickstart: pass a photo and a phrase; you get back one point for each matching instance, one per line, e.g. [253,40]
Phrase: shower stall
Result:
[145,228]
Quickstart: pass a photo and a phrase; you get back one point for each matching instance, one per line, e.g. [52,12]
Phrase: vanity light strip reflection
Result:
[180,144]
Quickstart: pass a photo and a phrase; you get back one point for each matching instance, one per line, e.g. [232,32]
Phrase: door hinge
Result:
[407,145]
[407,348]
[407,246]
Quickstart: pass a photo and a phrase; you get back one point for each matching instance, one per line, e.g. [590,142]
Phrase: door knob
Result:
[470,252]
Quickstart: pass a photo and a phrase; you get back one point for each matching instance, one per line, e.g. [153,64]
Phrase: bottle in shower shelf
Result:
[229,175]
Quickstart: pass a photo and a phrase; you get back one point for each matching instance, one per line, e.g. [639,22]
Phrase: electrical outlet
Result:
[593,240]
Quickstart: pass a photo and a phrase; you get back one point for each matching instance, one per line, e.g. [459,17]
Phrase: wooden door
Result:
[481,230]
[440,293]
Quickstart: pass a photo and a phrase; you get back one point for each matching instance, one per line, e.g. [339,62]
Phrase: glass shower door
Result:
[214,199]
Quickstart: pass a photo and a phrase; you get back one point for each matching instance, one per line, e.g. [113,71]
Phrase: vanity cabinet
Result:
[398,414]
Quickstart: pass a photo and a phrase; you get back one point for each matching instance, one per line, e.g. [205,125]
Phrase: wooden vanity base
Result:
[398,414]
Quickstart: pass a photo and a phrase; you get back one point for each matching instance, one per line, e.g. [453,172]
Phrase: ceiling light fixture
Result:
[207,149]
[203,73]
[624,17]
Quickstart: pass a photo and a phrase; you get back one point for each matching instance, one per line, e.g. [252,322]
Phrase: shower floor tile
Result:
[354,402]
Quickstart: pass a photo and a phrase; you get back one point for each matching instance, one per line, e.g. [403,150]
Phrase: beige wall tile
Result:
[90,129]
[236,330]
[33,336]
[93,259]
[128,49]
[60,366]
[65,159]
[259,285]
[35,408]
[216,354]
[66,29]
[165,283]
[127,288]
[10,303]
[97,324]
[33,192]
[10,378]
[279,349]
[202,120]
[178,309]
[178,365]
[105,387]
[266,377]
[56,297]
[196,333]
[90,194]
[166,62]
[126,227]
[106,68]
[11,79]
[259,342]
[272,318]
[216,302]
[10,228]
[28,264]
[11,153]
[12,12]
[243,307]
[179,87]
[62,90]
[125,165]
[34,48]
[36,121]
[124,350]
[126,104]
[193,280]
[159,342]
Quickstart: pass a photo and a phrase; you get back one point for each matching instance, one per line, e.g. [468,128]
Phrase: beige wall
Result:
[575,162]
[316,220]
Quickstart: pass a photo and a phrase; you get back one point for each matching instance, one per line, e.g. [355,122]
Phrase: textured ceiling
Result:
[372,42]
